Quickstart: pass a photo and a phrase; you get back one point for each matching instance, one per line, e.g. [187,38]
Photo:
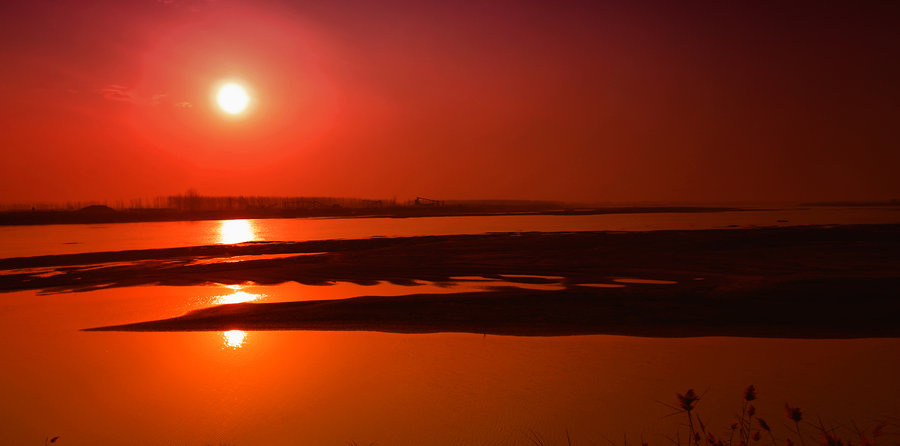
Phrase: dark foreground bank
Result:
[770,312]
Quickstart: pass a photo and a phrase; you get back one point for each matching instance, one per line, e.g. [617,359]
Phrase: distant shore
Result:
[102,214]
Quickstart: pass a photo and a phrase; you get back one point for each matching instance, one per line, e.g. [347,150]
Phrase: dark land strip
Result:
[103,214]
[728,258]
[632,311]
[805,281]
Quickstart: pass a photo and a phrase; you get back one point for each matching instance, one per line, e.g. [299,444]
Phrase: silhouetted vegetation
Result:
[750,429]
[193,206]
[191,200]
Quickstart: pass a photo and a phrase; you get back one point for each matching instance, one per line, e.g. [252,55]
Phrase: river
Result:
[321,388]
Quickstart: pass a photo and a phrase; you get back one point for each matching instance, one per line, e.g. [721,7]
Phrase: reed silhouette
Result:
[744,432]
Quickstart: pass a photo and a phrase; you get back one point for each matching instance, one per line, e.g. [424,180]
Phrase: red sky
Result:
[605,101]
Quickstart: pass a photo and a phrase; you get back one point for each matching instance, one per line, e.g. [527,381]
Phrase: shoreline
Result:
[86,216]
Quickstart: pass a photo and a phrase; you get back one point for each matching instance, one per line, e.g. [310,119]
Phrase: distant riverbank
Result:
[103,214]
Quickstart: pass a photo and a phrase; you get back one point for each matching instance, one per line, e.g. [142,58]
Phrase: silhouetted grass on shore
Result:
[748,429]
[751,429]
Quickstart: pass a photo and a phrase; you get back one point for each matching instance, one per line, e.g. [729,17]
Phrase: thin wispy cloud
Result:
[115,92]
[158,98]
[121,93]
[190,5]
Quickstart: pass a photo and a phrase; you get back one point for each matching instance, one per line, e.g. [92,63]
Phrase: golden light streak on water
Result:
[237,297]
[234,338]
[236,231]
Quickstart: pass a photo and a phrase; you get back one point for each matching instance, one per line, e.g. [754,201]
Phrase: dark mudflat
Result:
[805,281]
[638,311]
[728,258]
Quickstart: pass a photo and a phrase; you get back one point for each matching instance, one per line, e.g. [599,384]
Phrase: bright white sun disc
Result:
[232,98]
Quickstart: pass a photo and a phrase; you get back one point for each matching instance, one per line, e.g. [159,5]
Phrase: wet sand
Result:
[812,281]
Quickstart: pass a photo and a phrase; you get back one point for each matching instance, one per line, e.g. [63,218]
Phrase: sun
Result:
[232,98]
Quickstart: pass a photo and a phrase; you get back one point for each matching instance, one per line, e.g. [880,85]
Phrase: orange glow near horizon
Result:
[236,231]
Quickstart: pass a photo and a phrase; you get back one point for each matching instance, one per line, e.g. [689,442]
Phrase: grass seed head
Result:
[793,413]
[750,393]
[688,400]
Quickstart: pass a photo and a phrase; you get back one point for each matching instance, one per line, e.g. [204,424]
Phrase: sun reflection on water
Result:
[236,231]
[234,338]
[237,297]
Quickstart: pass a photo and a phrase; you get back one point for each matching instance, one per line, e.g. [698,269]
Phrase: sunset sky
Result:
[590,101]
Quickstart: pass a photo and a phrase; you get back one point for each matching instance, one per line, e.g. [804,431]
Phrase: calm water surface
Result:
[333,387]
[323,388]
